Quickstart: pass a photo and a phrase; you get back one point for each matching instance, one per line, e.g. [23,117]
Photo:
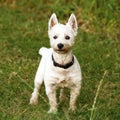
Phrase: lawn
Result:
[23,30]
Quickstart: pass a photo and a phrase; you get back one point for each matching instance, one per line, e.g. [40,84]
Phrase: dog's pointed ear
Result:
[53,21]
[73,23]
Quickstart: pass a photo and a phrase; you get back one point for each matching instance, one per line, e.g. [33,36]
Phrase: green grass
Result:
[23,30]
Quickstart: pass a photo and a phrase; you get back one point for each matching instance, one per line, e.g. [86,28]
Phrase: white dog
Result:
[58,66]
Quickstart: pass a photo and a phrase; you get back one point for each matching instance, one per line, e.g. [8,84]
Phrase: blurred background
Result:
[23,30]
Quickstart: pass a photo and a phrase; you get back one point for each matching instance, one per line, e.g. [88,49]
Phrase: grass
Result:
[23,30]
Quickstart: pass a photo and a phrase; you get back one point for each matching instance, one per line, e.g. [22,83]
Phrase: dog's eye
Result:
[67,37]
[55,37]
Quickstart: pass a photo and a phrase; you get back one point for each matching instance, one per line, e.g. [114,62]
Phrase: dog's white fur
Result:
[53,76]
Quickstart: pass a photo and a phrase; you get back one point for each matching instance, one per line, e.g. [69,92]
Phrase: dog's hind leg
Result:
[37,85]
[62,94]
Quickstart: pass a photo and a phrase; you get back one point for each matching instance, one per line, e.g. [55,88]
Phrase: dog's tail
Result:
[43,51]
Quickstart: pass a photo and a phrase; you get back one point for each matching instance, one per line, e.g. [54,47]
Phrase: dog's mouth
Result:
[60,51]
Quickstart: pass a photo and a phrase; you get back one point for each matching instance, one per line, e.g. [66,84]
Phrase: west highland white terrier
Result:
[59,68]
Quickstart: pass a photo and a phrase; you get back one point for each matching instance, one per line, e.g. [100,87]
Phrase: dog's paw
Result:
[33,101]
[52,111]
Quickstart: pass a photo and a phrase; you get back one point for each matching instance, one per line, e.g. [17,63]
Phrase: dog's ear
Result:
[53,21]
[73,23]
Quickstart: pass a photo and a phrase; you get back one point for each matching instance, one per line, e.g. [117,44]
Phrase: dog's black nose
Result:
[60,45]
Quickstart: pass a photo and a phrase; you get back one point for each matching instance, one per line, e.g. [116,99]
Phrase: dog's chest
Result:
[63,83]
[63,79]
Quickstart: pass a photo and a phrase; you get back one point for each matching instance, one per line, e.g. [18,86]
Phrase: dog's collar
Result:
[63,66]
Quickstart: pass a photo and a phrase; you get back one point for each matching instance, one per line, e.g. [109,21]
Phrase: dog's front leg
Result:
[51,93]
[73,97]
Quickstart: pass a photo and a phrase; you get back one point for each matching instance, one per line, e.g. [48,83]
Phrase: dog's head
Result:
[62,36]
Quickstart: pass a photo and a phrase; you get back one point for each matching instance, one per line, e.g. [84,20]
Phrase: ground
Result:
[23,30]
